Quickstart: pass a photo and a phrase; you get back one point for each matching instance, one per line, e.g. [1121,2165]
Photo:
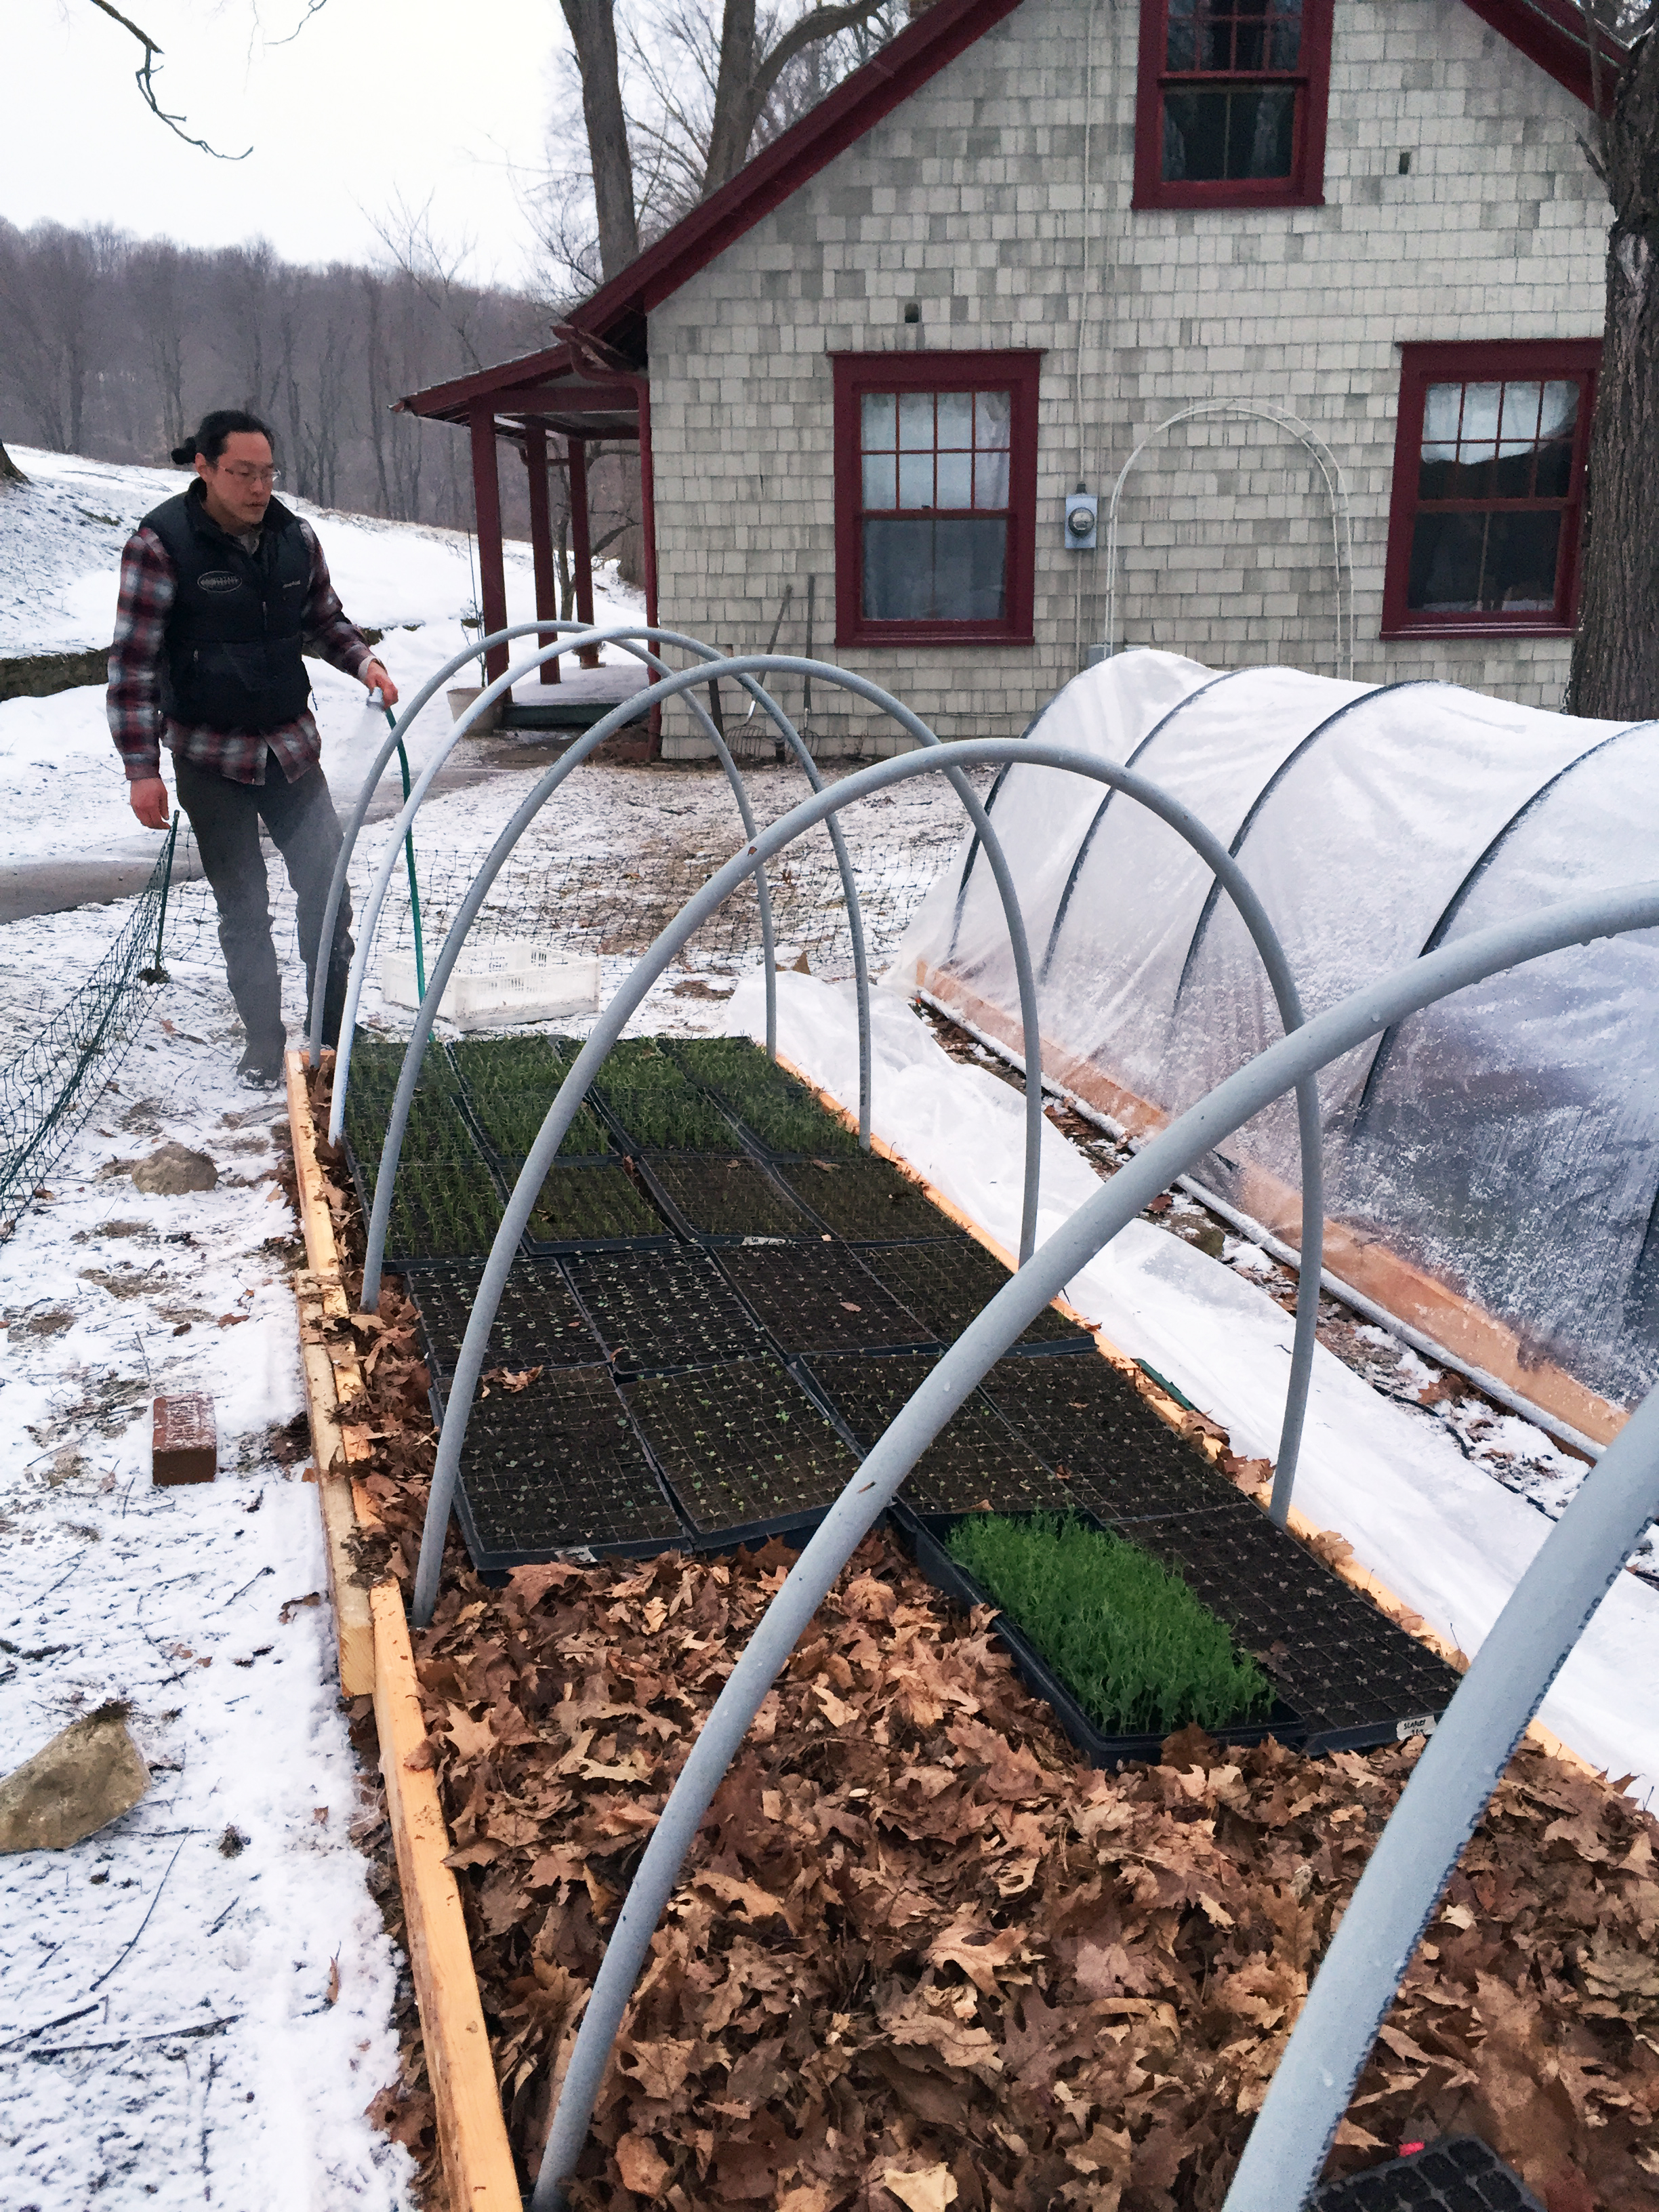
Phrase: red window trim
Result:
[1304,187]
[1017,373]
[1490,360]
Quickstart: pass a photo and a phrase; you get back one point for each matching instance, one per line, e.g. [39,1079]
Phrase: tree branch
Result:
[822,23]
[144,77]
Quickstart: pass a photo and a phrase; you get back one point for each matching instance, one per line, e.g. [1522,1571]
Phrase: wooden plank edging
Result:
[471,2132]
[1322,1542]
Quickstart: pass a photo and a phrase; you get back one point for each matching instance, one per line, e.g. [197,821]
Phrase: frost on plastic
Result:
[1504,1143]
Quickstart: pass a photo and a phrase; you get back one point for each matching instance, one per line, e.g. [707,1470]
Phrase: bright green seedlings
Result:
[1128,1639]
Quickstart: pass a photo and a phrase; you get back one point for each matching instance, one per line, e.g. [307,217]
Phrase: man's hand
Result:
[149,799]
[375,676]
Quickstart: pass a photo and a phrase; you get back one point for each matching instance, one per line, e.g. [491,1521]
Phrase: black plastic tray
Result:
[818,1297]
[718,1200]
[923,1536]
[661,1121]
[866,1200]
[559,1467]
[656,1313]
[607,1211]
[537,1324]
[460,1192]
[509,1123]
[1087,1421]
[951,1277]
[744,1446]
[975,1464]
[1460,2173]
[782,1117]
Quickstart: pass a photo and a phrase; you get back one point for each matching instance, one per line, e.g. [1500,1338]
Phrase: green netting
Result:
[48,1091]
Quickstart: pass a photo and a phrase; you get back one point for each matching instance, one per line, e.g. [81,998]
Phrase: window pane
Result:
[915,480]
[1442,407]
[1560,412]
[916,419]
[1521,404]
[991,480]
[927,571]
[1217,136]
[878,419]
[956,480]
[1224,36]
[992,411]
[1181,51]
[879,485]
[1484,563]
[1286,35]
[956,418]
[1480,405]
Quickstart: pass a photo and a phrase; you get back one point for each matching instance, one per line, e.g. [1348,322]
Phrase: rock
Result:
[88,1775]
[172,1168]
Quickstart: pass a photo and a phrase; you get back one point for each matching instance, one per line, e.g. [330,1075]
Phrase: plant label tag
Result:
[1418,1724]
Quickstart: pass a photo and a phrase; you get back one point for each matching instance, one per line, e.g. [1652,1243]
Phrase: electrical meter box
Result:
[1082,520]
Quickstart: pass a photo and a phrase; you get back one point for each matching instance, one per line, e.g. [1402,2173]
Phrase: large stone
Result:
[175,1167]
[88,1775]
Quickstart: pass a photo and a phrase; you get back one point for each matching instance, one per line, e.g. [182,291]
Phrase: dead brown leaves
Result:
[921,1958]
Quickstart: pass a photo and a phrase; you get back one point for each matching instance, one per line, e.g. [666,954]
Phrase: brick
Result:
[185,1440]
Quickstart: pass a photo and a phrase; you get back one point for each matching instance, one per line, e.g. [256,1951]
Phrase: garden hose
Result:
[409,855]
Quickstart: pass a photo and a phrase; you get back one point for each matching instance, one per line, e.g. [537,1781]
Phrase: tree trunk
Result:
[734,86]
[593,28]
[9,471]
[1616,655]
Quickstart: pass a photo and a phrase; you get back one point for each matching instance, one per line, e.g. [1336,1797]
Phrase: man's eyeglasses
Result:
[240,472]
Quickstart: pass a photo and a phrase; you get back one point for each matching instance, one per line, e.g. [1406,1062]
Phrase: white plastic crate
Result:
[530,985]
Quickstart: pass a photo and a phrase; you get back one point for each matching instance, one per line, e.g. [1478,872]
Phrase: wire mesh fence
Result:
[48,1089]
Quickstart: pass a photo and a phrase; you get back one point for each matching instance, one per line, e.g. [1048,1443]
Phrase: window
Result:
[935,496]
[1488,488]
[1230,104]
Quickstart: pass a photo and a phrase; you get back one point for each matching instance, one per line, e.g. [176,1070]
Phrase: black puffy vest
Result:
[231,651]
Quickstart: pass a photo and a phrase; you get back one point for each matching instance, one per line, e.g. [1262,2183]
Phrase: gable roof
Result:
[1550,33]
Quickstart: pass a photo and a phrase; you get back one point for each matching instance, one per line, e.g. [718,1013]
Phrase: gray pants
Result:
[306,831]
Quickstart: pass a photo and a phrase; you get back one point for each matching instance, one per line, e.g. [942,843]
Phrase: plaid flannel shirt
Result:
[148,586]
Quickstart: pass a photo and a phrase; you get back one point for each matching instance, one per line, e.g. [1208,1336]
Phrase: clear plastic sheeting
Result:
[1503,1146]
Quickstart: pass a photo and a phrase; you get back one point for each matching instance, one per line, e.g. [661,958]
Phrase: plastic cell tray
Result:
[656,1312]
[558,1467]
[975,1464]
[537,1324]
[436,1129]
[440,1210]
[591,1206]
[949,1281]
[525,1063]
[924,1536]
[818,1297]
[715,1199]
[864,1200]
[1089,1424]
[744,1446]
[1357,1678]
[665,1121]
[509,1122]
[1460,2173]
[782,1116]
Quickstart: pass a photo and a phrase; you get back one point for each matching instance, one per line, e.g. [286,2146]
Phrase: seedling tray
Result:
[865,1200]
[948,1281]
[658,1312]
[818,1297]
[1090,1425]
[436,1129]
[744,1446]
[558,1467]
[781,1115]
[1357,1678]
[509,1122]
[537,1324]
[440,1210]
[925,1536]
[523,1063]
[715,1201]
[664,1120]
[1459,2174]
[591,1207]
[974,1464]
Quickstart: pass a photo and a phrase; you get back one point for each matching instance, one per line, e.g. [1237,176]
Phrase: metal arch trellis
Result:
[1336,493]
[1438,1812]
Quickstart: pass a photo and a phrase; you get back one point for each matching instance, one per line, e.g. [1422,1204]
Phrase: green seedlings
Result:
[441,1209]
[512,1121]
[742,1443]
[596,1205]
[726,1197]
[1128,1639]
[866,1200]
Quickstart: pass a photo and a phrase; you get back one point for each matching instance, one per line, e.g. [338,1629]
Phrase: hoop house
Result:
[1494,1193]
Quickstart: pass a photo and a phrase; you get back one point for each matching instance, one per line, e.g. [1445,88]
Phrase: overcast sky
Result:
[373,97]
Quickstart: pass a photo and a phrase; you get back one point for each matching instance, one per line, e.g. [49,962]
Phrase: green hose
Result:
[409,855]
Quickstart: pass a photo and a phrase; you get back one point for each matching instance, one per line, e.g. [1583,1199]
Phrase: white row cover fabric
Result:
[1505,1143]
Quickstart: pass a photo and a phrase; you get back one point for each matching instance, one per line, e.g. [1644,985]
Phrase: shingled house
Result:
[1329,272]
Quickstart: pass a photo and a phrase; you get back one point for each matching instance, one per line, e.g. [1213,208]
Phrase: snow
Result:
[1392,1479]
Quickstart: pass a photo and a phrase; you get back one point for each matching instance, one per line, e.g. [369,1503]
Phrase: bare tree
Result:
[49,288]
[1616,655]
[156,279]
[593,27]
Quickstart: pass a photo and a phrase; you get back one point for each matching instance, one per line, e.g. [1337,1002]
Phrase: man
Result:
[223,589]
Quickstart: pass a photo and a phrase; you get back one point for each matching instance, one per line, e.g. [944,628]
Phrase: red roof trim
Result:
[1552,34]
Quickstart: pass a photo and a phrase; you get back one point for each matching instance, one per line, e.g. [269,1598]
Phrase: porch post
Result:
[486,503]
[581,543]
[541,540]
[648,539]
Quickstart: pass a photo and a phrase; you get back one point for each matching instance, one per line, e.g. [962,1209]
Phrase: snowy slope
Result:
[60,550]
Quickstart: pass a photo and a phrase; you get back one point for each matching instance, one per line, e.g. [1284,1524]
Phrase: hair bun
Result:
[184,454]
